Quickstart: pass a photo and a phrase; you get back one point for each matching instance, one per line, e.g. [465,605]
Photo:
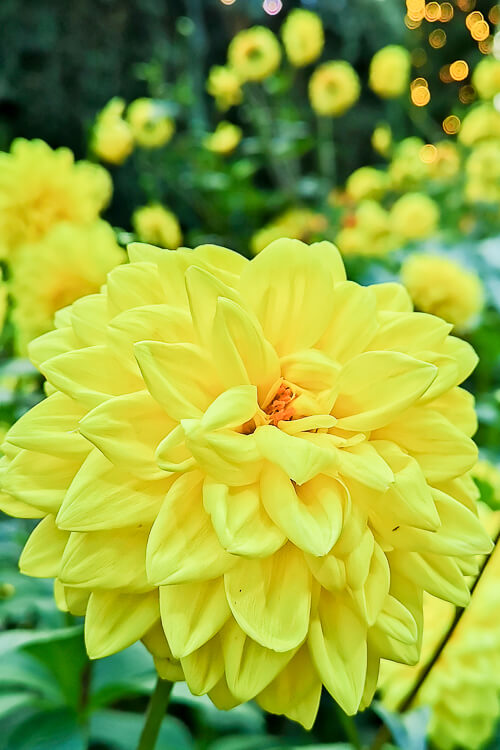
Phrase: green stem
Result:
[154,716]
[327,157]
[350,729]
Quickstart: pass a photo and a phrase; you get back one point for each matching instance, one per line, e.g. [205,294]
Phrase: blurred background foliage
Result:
[239,162]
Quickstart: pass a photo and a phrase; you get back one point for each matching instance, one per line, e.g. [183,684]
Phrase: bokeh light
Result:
[459,70]
[415,10]
[228,2]
[466,5]
[494,15]
[437,38]
[447,12]
[444,74]
[411,23]
[420,96]
[486,45]
[451,124]
[272,7]
[473,18]
[466,94]
[433,11]
[480,31]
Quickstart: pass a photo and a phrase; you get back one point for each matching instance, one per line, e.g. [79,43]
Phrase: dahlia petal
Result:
[204,667]
[300,459]
[231,409]
[167,667]
[311,369]
[88,318]
[441,449]
[51,344]
[337,641]
[41,556]
[106,560]
[295,691]
[289,287]
[310,516]
[392,296]
[438,575]
[381,643]
[240,350]
[314,422]
[90,375]
[221,261]
[102,496]
[133,285]
[353,323]
[224,455]
[370,597]
[365,465]
[271,598]
[464,489]
[240,522]
[171,267]
[221,696]
[172,454]
[179,376]
[372,674]
[76,600]
[183,546]
[39,480]
[51,427]
[357,563]
[249,667]
[203,290]
[114,621]
[329,571]
[375,387]
[13,507]
[397,622]
[127,430]
[192,613]
[464,355]
[458,407]
[409,332]
[447,376]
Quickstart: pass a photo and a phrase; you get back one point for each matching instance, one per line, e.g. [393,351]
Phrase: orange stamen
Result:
[280,408]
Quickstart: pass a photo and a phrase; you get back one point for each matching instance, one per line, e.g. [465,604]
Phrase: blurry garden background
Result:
[372,123]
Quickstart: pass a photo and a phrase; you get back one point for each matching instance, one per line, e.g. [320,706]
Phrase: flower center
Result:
[280,407]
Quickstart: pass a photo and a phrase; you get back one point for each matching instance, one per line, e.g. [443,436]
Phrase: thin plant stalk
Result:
[327,156]
[155,714]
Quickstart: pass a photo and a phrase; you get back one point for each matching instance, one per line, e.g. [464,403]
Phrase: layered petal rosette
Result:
[256,467]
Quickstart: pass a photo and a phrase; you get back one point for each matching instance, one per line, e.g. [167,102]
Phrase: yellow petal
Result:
[337,640]
[127,430]
[271,598]
[192,613]
[183,546]
[89,316]
[106,560]
[171,267]
[179,376]
[353,323]
[41,556]
[39,480]
[204,667]
[392,296]
[375,387]
[51,344]
[231,409]
[114,621]
[300,459]
[167,667]
[241,524]
[397,622]
[224,263]
[17,508]
[240,350]
[289,286]
[409,332]
[133,285]
[458,406]
[224,455]
[371,596]
[102,496]
[221,696]
[204,289]
[311,515]
[365,465]
[439,575]
[249,666]
[311,369]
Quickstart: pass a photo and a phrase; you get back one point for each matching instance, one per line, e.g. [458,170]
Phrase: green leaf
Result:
[409,730]
[248,717]
[58,729]
[120,730]
[127,673]
[255,742]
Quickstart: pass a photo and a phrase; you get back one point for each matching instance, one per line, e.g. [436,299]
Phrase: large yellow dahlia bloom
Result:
[40,187]
[256,467]
[463,686]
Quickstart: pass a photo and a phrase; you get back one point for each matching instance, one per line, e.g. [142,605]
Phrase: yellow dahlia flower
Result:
[69,262]
[224,139]
[442,287]
[112,138]
[390,71]
[407,171]
[303,37]
[463,686]
[414,216]
[367,232]
[40,187]
[486,78]
[381,139]
[295,223]
[155,223]
[235,466]
[225,86]
[333,88]
[367,182]
[151,127]
[447,162]
[254,54]
[481,123]
[482,170]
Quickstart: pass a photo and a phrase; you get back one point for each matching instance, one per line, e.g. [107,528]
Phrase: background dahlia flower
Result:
[256,467]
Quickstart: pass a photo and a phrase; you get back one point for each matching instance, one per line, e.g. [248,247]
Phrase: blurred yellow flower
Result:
[3,300]
[234,466]
[381,139]
[40,187]
[407,170]
[390,71]
[333,88]
[486,78]
[479,124]
[295,223]
[367,182]
[414,216]
[254,54]
[463,686]
[442,287]
[224,139]
[303,37]
[485,472]
[150,126]
[112,138]
[224,85]
[446,163]
[367,232]
[157,225]
[69,262]
[482,170]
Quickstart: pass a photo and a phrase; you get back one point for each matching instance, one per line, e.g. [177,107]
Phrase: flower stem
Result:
[327,158]
[349,727]
[154,716]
